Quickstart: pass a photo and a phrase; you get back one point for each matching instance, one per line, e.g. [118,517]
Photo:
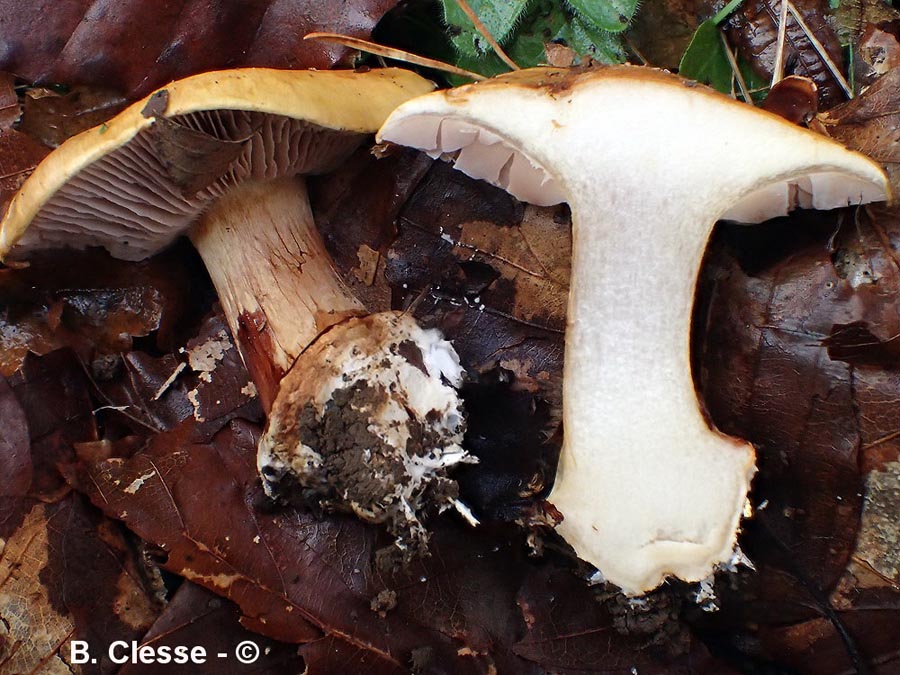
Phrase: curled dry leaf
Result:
[136,46]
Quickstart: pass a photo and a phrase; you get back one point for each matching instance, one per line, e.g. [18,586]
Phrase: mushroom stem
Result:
[276,282]
[637,447]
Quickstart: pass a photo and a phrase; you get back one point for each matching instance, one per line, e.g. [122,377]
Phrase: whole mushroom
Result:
[220,157]
[648,162]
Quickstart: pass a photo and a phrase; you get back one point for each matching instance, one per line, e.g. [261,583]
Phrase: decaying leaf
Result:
[91,303]
[870,123]
[196,617]
[754,33]
[9,102]
[67,574]
[493,272]
[50,117]
[206,382]
[134,47]
[770,373]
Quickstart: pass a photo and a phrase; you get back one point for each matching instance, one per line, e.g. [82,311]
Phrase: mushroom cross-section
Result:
[221,157]
[648,163]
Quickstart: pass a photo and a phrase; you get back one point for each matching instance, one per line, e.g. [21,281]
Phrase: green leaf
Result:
[545,22]
[498,16]
[705,60]
[610,15]
[526,44]
[587,40]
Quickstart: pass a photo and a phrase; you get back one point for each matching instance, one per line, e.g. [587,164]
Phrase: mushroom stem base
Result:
[275,280]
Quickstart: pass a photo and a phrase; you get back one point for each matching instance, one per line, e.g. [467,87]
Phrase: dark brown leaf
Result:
[356,207]
[19,154]
[568,635]
[68,574]
[196,617]
[136,46]
[93,303]
[870,123]
[754,32]
[492,273]
[50,118]
[15,445]
[54,393]
[9,102]
[788,300]
[206,383]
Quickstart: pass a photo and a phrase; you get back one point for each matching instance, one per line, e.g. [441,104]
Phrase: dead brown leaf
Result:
[50,117]
[136,46]
[196,617]
[9,102]
[870,124]
[754,33]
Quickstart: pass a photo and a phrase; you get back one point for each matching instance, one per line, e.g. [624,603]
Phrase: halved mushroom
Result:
[221,157]
[648,163]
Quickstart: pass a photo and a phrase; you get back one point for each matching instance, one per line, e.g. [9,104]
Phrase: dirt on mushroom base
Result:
[362,473]
[371,424]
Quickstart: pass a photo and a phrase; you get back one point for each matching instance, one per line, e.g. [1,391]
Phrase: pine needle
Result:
[392,53]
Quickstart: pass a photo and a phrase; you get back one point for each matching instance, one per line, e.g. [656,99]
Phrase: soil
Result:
[363,474]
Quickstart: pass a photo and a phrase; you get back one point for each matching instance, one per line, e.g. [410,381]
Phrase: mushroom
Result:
[648,162]
[221,157]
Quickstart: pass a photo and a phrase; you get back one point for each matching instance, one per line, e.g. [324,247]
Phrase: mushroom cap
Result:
[507,131]
[140,180]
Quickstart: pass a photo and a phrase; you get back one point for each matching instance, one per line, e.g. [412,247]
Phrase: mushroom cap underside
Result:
[140,180]
[529,132]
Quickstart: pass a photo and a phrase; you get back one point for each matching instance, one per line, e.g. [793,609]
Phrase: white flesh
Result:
[647,165]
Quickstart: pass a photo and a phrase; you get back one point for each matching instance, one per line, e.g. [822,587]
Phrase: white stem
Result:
[647,488]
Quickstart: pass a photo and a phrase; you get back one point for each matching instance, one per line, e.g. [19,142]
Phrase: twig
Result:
[778,69]
[485,33]
[739,76]
[392,53]
[820,49]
